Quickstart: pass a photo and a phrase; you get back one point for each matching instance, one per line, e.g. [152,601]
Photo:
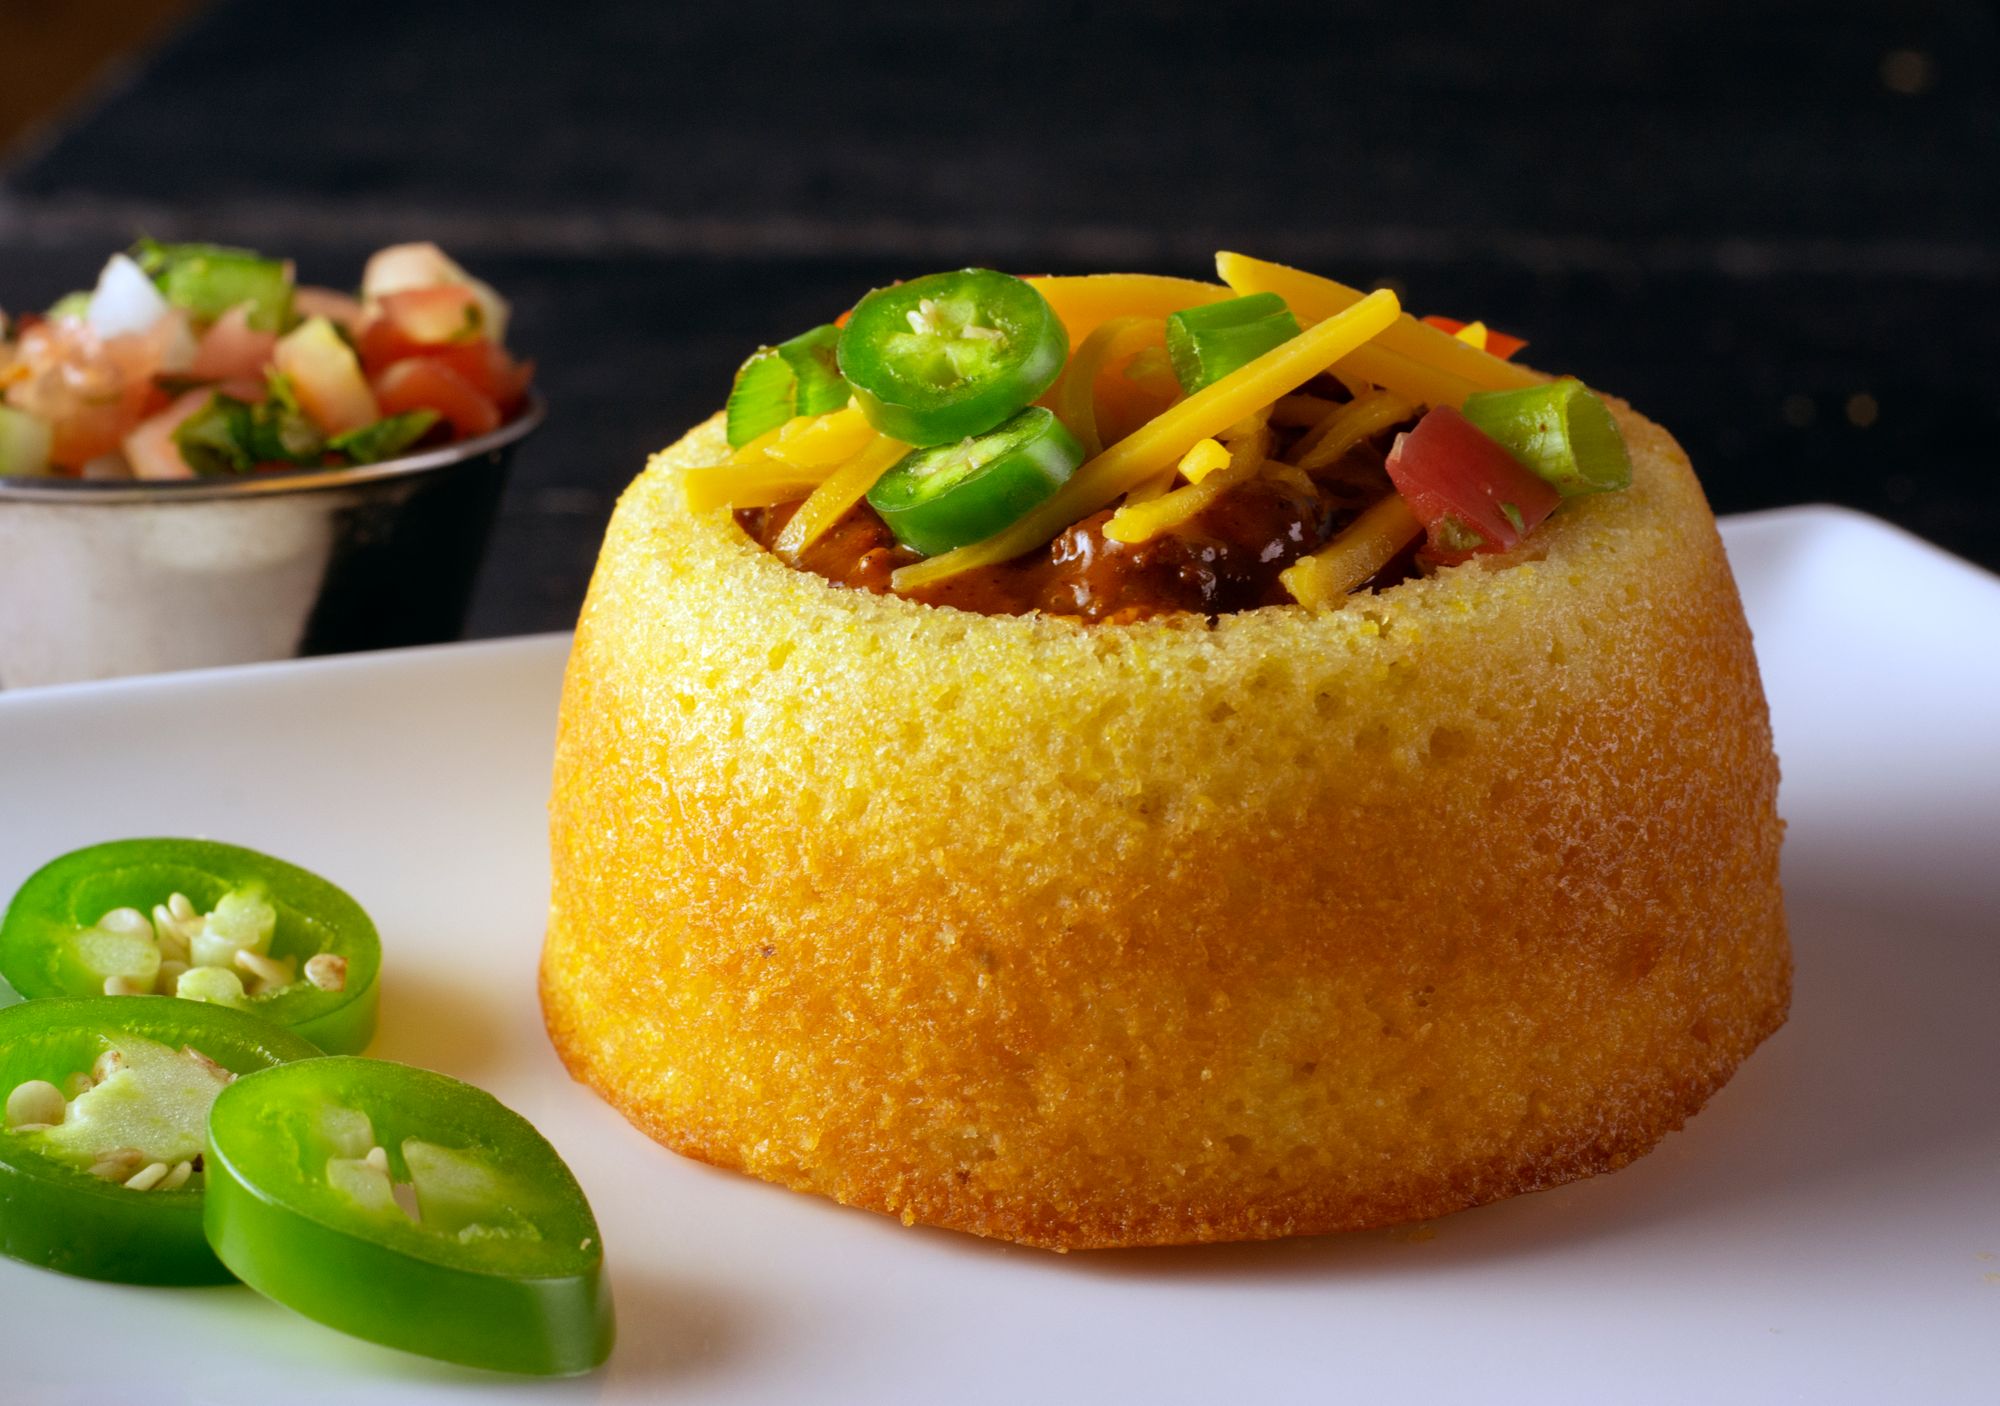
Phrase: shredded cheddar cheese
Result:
[1371,541]
[1086,301]
[1142,521]
[758,484]
[1297,411]
[781,464]
[1311,297]
[1348,426]
[1163,440]
[818,441]
[1202,460]
[1407,377]
[832,499]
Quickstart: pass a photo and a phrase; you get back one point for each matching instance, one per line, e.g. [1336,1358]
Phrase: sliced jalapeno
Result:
[411,1210]
[201,920]
[794,378]
[951,354]
[1207,343]
[951,494]
[107,1100]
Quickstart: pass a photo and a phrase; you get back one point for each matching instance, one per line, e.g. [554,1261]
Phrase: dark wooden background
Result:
[1775,227]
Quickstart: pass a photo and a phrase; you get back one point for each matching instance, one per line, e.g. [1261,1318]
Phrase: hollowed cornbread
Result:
[1184,930]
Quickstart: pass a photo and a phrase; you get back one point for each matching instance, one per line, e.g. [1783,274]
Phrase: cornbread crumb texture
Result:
[1171,931]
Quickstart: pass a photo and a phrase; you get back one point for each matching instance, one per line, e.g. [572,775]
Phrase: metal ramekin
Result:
[101,579]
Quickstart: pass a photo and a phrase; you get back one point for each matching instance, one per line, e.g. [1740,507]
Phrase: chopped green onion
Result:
[798,377]
[385,439]
[1561,432]
[231,436]
[1207,343]
[209,279]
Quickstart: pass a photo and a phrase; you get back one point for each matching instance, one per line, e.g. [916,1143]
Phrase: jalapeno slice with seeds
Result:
[107,1101]
[202,920]
[952,494]
[409,1209]
[951,354]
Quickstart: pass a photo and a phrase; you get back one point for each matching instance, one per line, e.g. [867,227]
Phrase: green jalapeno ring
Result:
[54,1211]
[40,954]
[950,354]
[411,1210]
[949,495]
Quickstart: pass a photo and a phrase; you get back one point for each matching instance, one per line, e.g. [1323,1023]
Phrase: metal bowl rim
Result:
[185,490]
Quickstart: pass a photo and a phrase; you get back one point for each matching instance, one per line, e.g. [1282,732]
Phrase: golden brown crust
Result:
[1160,933]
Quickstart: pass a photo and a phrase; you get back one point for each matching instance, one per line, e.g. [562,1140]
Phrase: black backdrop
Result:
[1775,227]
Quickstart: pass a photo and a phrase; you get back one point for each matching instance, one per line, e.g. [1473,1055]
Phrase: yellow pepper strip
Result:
[1473,334]
[1406,376]
[1204,459]
[1348,426]
[831,500]
[1162,440]
[1086,302]
[1293,411]
[1076,396]
[1311,297]
[1142,521]
[1335,571]
[816,441]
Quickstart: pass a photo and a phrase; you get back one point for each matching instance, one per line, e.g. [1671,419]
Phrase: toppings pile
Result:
[194,360]
[1119,446]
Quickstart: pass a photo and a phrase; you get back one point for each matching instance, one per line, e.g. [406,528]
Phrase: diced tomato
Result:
[232,350]
[150,449]
[1500,344]
[427,383]
[402,267]
[485,365]
[92,391]
[440,316]
[1470,494]
[335,307]
[326,377]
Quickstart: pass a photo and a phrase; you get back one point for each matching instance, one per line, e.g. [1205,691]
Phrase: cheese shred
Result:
[831,501]
[1139,522]
[1346,427]
[1342,566]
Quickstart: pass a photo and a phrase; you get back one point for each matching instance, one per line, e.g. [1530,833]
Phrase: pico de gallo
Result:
[202,361]
[1120,446]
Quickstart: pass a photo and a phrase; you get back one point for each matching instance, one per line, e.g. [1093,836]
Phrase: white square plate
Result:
[1828,1230]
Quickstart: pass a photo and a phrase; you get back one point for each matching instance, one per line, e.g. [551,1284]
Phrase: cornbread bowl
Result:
[1180,930]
